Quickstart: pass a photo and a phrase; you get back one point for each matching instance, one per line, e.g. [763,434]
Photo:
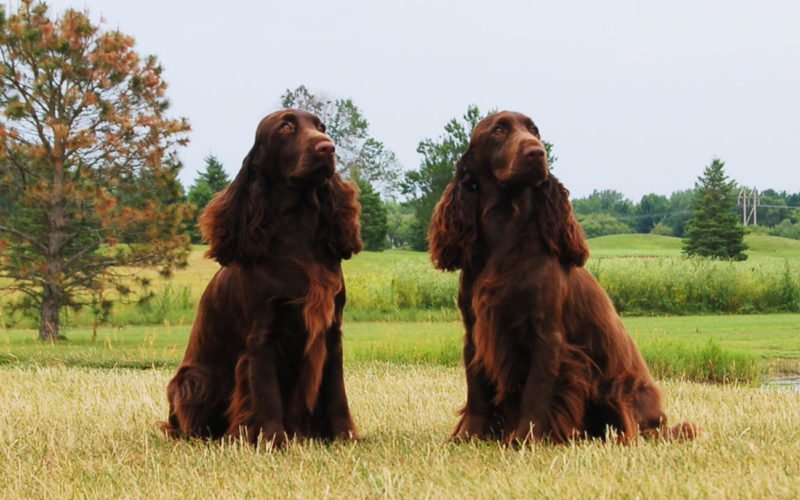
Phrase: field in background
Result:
[643,274]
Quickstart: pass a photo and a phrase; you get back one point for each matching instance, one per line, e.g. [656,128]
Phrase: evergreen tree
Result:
[88,159]
[210,181]
[714,230]
[374,217]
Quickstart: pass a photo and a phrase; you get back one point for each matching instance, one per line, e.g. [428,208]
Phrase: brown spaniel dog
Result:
[546,354]
[265,352]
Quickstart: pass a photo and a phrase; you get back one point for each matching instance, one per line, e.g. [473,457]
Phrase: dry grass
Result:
[78,432]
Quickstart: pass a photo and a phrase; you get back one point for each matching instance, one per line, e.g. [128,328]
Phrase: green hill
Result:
[651,245]
[634,245]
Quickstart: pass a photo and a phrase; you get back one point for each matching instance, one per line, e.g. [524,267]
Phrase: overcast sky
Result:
[635,96]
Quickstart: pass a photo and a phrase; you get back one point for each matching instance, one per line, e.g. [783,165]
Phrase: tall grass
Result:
[698,286]
[648,278]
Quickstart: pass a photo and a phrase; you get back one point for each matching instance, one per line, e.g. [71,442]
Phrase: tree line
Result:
[610,212]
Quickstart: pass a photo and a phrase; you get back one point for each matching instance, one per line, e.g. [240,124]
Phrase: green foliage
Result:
[650,210]
[772,208]
[210,181]
[680,204]
[401,223]
[88,160]
[425,186]
[374,218]
[601,224]
[606,201]
[662,229]
[788,227]
[357,152]
[714,231]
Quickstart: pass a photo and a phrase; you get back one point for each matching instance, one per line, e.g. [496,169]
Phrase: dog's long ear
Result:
[453,231]
[339,211]
[560,231]
[235,222]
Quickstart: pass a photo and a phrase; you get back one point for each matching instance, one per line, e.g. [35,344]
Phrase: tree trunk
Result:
[52,292]
[48,324]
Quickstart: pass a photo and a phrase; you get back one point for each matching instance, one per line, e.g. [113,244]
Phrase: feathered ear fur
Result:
[235,222]
[560,231]
[453,231]
[339,211]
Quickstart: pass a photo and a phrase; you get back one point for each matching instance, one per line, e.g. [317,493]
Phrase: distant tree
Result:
[680,208]
[374,219]
[662,229]
[401,223]
[87,160]
[789,227]
[792,200]
[772,207]
[425,186]
[605,201]
[650,210]
[357,153]
[602,224]
[208,182]
[714,230]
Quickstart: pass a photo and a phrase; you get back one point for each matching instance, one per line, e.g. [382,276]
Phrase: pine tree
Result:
[88,159]
[714,230]
[208,182]
[374,217]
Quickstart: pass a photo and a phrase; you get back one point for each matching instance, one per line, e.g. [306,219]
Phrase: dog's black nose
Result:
[325,148]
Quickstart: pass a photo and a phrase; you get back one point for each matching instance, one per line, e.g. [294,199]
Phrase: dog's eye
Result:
[535,130]
[321,127]
[286,128]
[498,130]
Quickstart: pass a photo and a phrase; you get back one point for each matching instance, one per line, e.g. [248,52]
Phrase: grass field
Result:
[77,419]
[81,432]
[676,345]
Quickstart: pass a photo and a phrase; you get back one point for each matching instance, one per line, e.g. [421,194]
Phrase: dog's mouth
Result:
[524,174]
[315,174]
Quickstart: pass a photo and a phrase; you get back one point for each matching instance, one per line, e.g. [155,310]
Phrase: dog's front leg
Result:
[332,389]
[537,391]
[474,419]
[264,388]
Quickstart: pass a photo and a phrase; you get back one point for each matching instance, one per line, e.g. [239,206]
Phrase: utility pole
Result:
[744,197]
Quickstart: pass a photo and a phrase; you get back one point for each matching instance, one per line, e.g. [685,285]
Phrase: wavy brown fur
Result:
[546,354]
[264,356]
